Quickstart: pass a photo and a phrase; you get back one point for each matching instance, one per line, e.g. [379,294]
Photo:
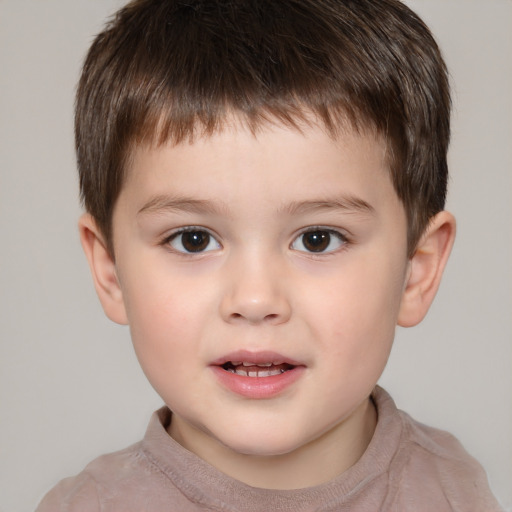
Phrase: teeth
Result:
[256,373]
[245,363]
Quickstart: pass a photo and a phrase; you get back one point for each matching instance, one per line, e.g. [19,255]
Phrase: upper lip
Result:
[259,357]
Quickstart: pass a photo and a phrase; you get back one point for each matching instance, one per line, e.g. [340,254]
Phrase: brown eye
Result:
[318,241]
[193,241]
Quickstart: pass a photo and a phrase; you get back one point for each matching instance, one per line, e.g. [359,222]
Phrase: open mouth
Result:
[250,369]
[257,375]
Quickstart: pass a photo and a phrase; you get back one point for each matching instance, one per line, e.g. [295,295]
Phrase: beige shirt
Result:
[406,467]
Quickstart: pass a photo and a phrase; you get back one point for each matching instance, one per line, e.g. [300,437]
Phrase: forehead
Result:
[237,139]
[161,130]
[236,130]
[276,166]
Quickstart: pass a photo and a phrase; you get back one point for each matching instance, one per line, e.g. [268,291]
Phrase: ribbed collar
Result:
[205,485]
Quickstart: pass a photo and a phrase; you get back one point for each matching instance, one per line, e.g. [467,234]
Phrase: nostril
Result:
[271,317]
[268,309]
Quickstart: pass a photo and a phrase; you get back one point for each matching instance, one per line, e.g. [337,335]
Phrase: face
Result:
[262,278]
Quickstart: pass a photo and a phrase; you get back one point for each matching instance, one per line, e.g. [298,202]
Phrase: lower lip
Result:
[258,387]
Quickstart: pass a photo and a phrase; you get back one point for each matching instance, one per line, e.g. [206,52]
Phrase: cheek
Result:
[165,324]
[357,314]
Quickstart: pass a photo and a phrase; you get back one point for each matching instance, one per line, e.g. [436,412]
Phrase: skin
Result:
[257,286]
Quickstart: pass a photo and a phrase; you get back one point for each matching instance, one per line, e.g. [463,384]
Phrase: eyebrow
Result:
[163,204]
[348,204]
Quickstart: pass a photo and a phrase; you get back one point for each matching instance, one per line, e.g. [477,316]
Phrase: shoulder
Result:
[435,468]
[100,481]
[130,480]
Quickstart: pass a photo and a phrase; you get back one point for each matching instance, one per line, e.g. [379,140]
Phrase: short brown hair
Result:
[169,70]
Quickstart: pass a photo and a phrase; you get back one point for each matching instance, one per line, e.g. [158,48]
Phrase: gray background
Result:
[70,387]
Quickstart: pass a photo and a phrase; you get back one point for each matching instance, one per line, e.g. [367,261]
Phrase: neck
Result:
[314,463]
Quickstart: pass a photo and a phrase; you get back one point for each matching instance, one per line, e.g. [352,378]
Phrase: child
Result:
[264,185]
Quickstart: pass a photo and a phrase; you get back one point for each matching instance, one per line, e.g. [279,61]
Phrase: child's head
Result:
[178,70]
[259,178]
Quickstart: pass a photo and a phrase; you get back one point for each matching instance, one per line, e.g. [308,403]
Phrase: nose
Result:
[256,293]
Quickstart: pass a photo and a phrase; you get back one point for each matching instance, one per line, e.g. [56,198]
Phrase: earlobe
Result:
[426,269]
[103,269]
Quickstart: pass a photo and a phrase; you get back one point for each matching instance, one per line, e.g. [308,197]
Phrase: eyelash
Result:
[190,229]
[341,238]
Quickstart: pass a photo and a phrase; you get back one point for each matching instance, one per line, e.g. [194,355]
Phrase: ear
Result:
[426,268]
[103,269]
